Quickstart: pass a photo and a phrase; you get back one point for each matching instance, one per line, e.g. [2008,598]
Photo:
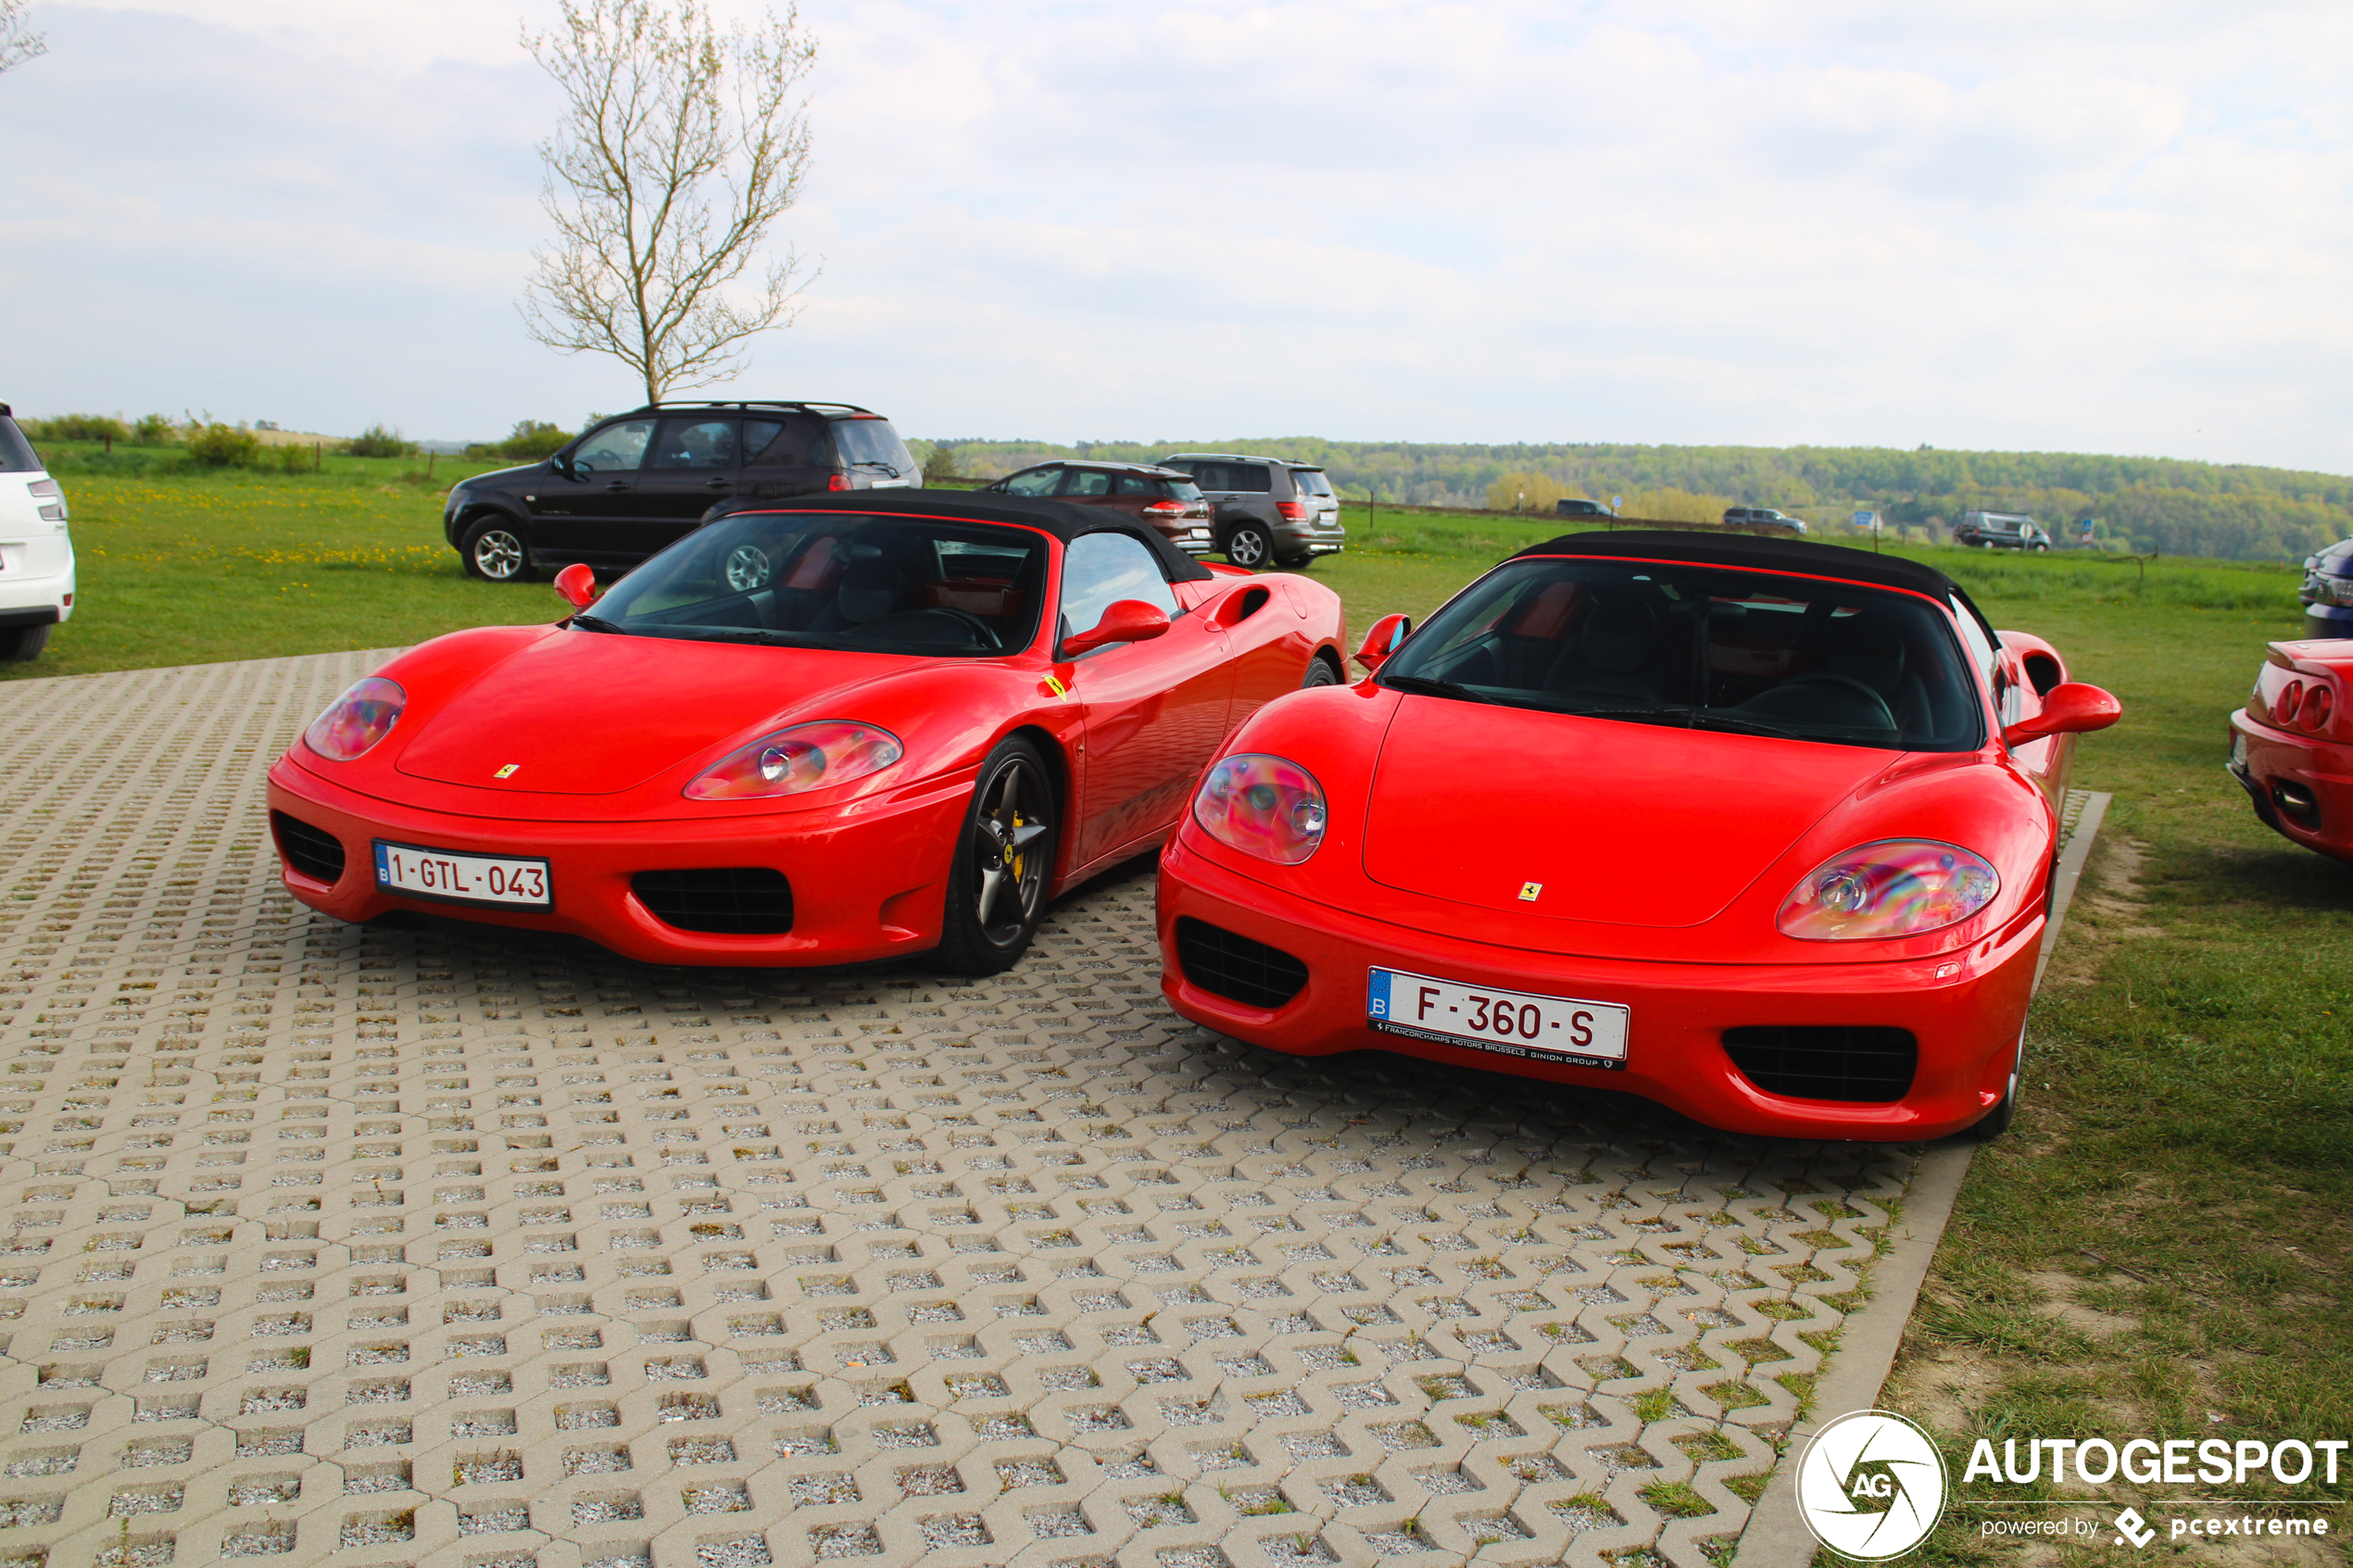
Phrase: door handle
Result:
[720,483]
[617,485]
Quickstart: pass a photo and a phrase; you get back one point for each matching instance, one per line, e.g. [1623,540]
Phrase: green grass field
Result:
[2161,1245]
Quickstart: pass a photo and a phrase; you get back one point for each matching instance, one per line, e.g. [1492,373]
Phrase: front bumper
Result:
[863,889]
[2301,785]
[1966,1022]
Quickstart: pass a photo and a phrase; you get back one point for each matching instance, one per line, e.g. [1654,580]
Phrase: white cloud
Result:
[2091,225]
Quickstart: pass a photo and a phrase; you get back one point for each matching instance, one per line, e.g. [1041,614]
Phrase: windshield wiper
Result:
[1689,718]
[588,623]
[1429,687]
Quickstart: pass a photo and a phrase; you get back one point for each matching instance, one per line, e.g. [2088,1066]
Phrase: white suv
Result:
[36,555]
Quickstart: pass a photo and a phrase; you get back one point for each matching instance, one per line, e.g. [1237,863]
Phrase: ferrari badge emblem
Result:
[1529,890]
[508,772]
[1056,687]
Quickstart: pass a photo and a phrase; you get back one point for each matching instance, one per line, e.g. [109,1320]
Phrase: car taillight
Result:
[2284,706]
[1165,510]
[2318,704]
[838,482]
[1293,511]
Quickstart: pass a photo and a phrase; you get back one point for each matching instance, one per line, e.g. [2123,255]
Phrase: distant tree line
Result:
[2232,511]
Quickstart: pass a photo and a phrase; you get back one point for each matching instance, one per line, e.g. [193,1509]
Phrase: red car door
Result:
[1154,711]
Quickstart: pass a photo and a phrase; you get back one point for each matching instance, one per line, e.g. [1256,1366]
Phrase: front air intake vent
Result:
[727,900]
[1863,1064]
[1235,967]
[316,854]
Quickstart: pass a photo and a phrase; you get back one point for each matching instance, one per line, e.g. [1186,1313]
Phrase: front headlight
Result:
[355,722]
[1895,887]
[1269,807]
[806,757]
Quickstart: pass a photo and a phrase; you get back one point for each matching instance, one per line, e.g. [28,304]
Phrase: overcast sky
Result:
[2105,225]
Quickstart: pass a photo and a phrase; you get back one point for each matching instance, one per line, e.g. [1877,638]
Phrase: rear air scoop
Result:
[1608,821]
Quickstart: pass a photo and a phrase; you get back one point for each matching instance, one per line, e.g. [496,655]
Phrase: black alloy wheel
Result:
[1319,674]
[1246,544]
[494,551]
[996,882]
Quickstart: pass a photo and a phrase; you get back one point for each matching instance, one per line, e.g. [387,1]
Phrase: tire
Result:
[22,644]
[1246,544]
[1319,674]
[1004,859]
[1996,1122]
[2041,549]
[494,551]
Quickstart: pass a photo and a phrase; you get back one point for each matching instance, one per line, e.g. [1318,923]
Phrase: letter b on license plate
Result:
[1520,1023]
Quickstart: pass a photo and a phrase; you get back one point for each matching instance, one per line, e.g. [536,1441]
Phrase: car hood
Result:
[589,713]
[1611,822]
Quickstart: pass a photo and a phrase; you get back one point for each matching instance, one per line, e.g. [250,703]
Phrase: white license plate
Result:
[513,881]
[1422,1006]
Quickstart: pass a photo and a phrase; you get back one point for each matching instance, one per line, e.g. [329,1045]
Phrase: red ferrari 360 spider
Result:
[1760,829]
[2292,745]
[834,729]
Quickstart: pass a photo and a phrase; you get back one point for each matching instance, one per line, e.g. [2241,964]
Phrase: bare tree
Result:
[678,148]
[16,46]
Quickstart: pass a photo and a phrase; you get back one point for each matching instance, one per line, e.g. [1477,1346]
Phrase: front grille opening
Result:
[1234,967]
[314,853]
[728,900]
[1864,1064]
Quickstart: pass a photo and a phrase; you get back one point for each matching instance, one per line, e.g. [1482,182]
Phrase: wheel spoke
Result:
[991,881]
[1029,834]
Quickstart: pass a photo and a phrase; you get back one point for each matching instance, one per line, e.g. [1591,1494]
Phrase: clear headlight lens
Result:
[355,722]
[1895,887]
[831,751]
[1269,807]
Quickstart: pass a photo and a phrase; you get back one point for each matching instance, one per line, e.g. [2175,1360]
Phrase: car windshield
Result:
[1702,647]
[908,585]
[16,452]
[874,445]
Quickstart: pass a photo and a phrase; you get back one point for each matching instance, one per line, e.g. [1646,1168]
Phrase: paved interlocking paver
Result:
[442,1245]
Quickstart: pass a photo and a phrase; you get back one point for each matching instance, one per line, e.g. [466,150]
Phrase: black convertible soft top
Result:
[1064,522]
[1752,551]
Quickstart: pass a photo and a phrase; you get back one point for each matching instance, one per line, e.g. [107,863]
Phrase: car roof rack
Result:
[761,403]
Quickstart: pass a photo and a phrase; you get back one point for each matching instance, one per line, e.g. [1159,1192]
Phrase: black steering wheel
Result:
[1885,716]
[992,641]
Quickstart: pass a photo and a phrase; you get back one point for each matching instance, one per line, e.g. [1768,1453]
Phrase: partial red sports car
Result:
[836,729]
[1761,829]
[2292,745]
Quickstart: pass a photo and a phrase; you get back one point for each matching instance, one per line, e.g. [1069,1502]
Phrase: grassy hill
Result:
[2228,512]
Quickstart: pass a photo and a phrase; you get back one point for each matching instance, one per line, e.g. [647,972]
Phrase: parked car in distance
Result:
[36,551]
[1765,515]
[2000,531]
[632,483]
[1850,957]
[2292,745]
[1166,499]
[831,730]
[1578,507]
[2327,591]
[1266,509]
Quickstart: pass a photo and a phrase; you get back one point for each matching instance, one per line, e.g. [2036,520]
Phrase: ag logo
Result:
[1871,1486]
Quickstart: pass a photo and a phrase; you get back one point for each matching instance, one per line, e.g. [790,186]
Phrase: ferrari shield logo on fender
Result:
[1055,686]
[1529,890]
[507,772]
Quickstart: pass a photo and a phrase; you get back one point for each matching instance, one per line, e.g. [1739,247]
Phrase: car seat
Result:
[869,590]
[1616,654]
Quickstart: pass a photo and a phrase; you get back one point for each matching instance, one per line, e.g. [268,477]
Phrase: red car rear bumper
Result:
[1967,1023]
[862,889]
[2282,771]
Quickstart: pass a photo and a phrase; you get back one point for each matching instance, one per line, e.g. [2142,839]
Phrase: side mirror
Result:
[2070,708]
[1125,620]
[1388,635]
[576,585]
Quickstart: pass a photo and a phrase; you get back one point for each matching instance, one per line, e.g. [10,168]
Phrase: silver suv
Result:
[1266,508]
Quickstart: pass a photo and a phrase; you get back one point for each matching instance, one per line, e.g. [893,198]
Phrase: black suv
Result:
[1265,508]
[632,483]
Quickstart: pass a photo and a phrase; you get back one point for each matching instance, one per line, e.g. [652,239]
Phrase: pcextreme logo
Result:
[1871,1486]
